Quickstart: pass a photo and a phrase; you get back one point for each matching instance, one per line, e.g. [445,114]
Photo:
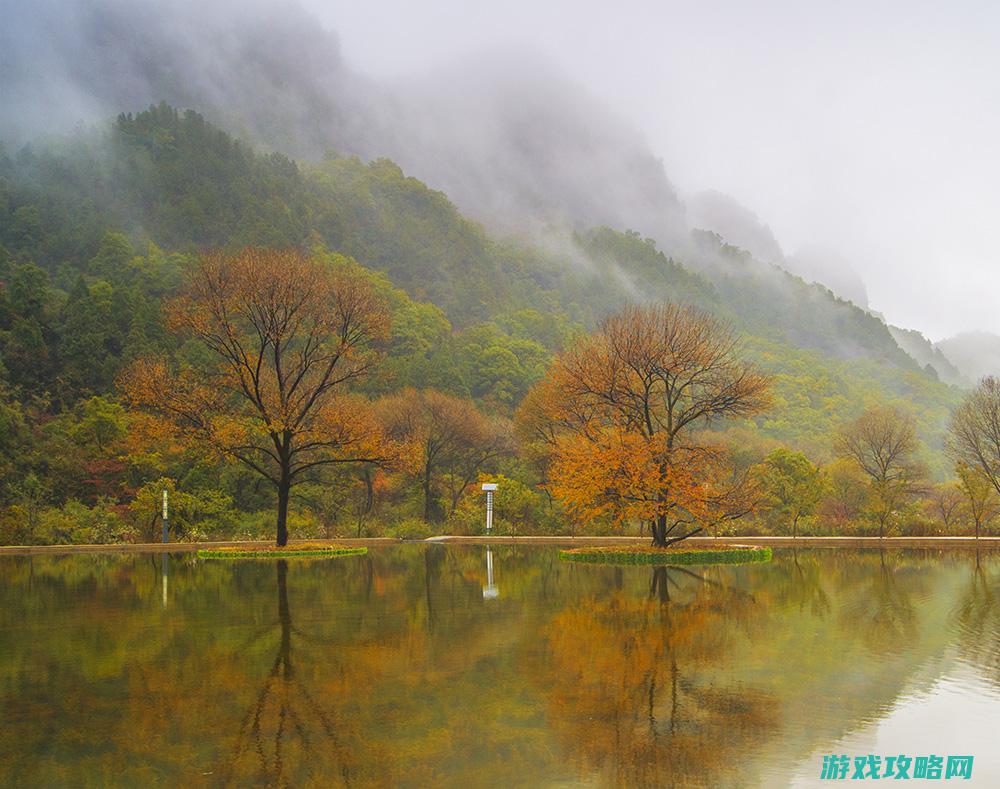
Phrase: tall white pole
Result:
[488,488]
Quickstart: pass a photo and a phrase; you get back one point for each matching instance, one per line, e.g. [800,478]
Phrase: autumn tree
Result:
[791,484]
[944,501]
[883,444]
[620,413]
[974,431]
[279,340]
[447,440]
[981,499]
[846,496]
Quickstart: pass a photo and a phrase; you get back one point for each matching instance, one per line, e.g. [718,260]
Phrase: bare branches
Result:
[282,338]
[975,431]
[883,443]
[618,412]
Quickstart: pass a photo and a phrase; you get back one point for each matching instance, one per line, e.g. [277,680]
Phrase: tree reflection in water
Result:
[286,721]
[392,669]
[629,686]
[977,617]
[883,612]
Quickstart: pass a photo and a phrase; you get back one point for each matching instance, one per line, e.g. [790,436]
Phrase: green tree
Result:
[793,487]
[981,499]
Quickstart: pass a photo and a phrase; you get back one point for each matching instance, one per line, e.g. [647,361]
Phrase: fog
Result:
[867,129]
[855,143]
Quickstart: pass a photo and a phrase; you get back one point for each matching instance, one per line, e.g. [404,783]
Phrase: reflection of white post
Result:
[489,487]
[165,569]
[490,591]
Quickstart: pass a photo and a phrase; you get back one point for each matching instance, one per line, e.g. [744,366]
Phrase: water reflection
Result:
[165,572]
[627,688]
[490,591]
[977,618]
[397,668]
[286,721]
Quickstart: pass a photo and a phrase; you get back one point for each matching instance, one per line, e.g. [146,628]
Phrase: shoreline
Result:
[991,543]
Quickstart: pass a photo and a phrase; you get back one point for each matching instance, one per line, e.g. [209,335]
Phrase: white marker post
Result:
[489,487]
[165,515]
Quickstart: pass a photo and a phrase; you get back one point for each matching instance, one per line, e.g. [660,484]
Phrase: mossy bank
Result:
[615,554]
[289,552]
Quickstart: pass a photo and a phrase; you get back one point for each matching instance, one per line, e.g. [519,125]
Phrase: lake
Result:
[407,667]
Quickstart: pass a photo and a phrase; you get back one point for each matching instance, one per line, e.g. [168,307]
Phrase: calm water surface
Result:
[406,667]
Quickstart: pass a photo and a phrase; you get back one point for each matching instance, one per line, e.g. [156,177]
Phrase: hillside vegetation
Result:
[97,229]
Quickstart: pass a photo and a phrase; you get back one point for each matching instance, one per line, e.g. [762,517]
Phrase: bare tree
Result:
[447,441]
[282,338]
[974,431]
[946,502]
[883,443]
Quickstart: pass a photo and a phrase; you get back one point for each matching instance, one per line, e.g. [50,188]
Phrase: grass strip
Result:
[737,554]
[278,553]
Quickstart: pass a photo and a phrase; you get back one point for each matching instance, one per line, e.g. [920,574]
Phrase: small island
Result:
[651,554]
[297,551]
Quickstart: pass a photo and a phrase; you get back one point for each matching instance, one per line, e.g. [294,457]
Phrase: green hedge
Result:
[739,555]
[272,553]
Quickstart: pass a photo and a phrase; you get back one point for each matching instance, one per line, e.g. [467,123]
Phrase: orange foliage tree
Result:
[445,439]
[280,338]
[619,414]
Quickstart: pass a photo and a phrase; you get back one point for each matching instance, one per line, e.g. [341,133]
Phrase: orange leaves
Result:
[618,412]
[613,474]
[626,477]
[282,337]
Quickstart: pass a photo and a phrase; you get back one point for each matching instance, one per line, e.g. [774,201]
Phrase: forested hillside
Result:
[98,228]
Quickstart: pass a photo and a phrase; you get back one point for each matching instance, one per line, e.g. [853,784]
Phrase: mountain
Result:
[723,214]
[930,356]
[976,354]
[575,210]
[820,264]
[514,142]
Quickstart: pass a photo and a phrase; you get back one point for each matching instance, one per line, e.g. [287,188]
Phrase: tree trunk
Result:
[426,485]
[795,526]
[658,589]
[284,489]
[659,530]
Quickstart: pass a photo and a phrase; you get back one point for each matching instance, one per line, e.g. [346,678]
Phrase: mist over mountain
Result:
[265,68]
[740,226]
[513,142]
[928,355]
[723,214]
[819,264]
[976,354]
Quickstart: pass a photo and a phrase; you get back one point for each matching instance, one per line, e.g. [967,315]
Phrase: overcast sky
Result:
[872,128]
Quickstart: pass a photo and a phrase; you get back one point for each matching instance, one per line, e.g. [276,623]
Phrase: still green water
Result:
[406,667]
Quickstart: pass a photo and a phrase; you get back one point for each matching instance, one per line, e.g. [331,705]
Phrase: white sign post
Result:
[489,487]
[490,591]
[165,515]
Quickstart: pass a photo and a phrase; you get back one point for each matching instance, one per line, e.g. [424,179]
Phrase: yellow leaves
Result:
[617,415]
[283,336]
[624,476]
